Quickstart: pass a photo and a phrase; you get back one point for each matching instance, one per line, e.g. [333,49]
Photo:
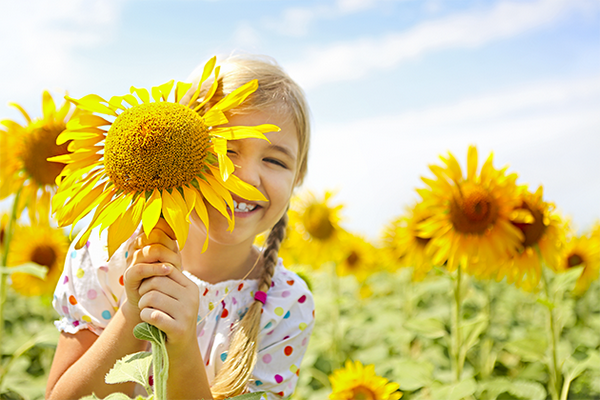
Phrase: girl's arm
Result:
[83,359]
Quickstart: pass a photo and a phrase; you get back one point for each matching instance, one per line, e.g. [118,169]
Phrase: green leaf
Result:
[428,327]
[455,391]
[572,368]
[413,375]
[250,396]
[27,268]
[523,389]
[131,368]
[531,348]
[145,331]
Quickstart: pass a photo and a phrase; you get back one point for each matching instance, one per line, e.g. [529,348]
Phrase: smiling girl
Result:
[236,320]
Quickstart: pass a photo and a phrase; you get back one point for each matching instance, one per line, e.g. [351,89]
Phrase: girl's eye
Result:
[276,162]
[230,151]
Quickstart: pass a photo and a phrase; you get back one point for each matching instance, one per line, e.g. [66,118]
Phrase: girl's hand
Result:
[157,289]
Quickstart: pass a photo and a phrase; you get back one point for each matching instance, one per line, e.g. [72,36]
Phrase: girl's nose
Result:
[249,172]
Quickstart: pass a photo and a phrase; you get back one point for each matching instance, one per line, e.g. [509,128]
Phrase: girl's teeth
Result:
[243,207]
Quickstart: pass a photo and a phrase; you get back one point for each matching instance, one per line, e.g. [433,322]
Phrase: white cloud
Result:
[296,21]
[43,37]
[547,133]
[354,59]
[246,36]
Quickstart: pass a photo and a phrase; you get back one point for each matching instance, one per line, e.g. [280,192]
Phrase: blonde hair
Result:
[276,93]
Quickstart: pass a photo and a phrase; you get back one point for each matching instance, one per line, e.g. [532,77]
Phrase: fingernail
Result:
[166,268]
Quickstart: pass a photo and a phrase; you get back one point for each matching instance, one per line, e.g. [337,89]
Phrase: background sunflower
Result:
[24,150]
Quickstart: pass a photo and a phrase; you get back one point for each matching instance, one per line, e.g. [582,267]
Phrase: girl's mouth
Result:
[240,207]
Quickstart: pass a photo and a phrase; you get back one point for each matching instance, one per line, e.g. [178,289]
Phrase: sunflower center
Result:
[363,393]
[352,259]
[155,146]
[475,211]
[533,232]
[37,147]
[317,222]
[43,255]
[574,260]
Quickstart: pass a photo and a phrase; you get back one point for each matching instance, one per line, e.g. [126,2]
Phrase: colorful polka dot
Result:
[72,300]
[223,356]
[126,254]
[86,318]
[304,341]
[258,383]
[211,306]
[75,323]
[302,326]
[288,350]
[240,286]
[225,313]
[106,314]
[92,294]
[267,358]
[226,290]
[234,300]
[290,282]
[65,310]
[293,368]
[205,292]
[121,282]
[80,273]
[267,326]
[302,299]
[278,311]
[66,279]
[285,293]
[280,394]
[278,378]
[73,254]
[287,315]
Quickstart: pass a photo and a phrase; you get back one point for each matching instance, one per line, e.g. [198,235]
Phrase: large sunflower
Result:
[358,382]
[403,240]
[313,231]
[157,158]
[544,236]
[583,251]
[42,245]
[24,150]
[472,216]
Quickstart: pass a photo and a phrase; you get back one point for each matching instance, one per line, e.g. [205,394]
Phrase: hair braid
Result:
[233,377]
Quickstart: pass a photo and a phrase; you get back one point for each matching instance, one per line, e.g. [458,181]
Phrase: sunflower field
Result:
[481,290]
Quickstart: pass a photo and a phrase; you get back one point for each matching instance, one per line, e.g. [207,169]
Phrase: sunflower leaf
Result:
[131,368]
[28,268]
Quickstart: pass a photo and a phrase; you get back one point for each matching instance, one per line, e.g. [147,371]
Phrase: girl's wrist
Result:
[131,313]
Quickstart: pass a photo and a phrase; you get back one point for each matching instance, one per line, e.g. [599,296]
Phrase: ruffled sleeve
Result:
[287,322]
[90,289]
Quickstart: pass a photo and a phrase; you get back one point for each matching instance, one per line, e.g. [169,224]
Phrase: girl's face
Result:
[269,167]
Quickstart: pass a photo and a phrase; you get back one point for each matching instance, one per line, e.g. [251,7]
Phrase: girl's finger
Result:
[136,273]
[163,284]
[157,236]
[157,253]
[160,301]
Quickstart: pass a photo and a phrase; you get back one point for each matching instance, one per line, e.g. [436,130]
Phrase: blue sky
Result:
[392,84]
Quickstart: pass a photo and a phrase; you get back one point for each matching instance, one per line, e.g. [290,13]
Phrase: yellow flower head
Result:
[157,158]
[24,150]
[403,240]
[42,245]
[358,257]
[583,251]
[313,231]
[544,235]
[358,382]
[470,223]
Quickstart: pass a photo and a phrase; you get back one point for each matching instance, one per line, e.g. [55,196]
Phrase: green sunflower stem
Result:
[456,334]
[555,374]
[3,276]
[337,356]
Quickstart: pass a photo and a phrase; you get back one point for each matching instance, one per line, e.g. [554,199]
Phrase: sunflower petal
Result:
[189,195]
[181,89]
[22,111]
[125,226]
[48,106]
[174,210]
[202,212]
[239,187]
[214,117]
[152,211]
[211,91]
[213,198]
[471,163]
[93,103]
[244,132]
[165,89]
[236,97]
[142,94]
